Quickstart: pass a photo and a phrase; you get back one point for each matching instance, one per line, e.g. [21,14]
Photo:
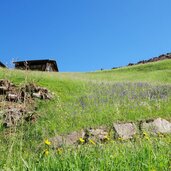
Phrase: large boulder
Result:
[124,130]
[156,126]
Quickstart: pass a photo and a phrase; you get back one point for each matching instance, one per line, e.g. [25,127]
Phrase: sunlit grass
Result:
[83,100]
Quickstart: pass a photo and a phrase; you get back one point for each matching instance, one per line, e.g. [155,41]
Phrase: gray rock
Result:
[98,134]
[156,126]
[73,137]
[125,130]
[70,139]
[57,141]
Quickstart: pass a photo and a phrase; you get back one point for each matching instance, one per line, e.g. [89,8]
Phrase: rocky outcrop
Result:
[154,59]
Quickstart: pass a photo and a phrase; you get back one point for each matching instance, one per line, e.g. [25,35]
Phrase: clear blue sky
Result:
[84,35]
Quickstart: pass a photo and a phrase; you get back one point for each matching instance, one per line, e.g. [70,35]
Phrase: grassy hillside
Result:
[159,72]
[90,100]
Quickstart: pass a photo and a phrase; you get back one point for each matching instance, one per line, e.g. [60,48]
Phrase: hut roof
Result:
[2,65]
[38,62]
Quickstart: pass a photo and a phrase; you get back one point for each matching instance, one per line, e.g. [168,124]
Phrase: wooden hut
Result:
[2,65]
[38,65]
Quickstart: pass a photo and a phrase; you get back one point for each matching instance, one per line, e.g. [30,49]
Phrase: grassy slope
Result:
[70,87]
[159,72]
[83,100]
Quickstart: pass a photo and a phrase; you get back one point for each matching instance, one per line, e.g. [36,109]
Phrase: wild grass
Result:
[85,100]
[143,154]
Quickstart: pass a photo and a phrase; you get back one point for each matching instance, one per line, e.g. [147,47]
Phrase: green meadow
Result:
[92,99]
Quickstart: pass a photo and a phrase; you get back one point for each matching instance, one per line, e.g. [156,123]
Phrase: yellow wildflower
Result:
[46,152]
[81,140]
[47,142]
[92,142]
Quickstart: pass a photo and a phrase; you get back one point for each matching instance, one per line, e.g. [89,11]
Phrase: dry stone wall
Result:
[119,131]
